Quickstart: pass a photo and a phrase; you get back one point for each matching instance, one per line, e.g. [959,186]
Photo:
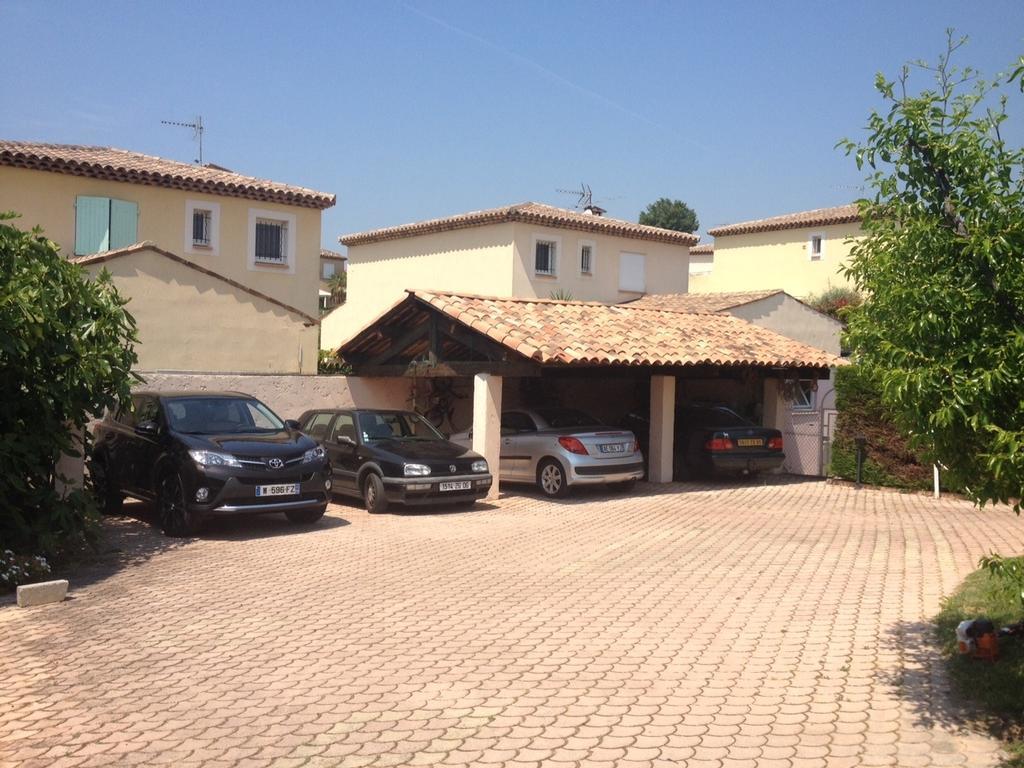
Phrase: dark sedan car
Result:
[203,454]
[386,457]
[715,440]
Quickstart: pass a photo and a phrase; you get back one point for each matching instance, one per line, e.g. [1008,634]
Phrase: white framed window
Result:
[632,269]
[271,241]
[545,255]
[588,254]
[202,227]
[816,247]
[805,395]
[327,270]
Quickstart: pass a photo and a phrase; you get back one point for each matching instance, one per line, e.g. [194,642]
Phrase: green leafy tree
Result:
[942,267]
[338,285]
[66,354]
[670,214]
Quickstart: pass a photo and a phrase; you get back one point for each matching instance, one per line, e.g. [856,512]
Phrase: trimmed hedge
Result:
[888,459]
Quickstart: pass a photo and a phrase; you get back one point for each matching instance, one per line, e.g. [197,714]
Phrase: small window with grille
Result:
[586,258]
[202,227]
[545,255]
[271,241]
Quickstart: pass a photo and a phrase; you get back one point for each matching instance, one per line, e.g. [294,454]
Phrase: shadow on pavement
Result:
[923,683]
[133,537]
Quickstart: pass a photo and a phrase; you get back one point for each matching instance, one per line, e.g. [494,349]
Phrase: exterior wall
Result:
[48,200]
[701,263]
[474,260]
[778,259]
[290,396]
[786,316]
[189,321]
[666,266]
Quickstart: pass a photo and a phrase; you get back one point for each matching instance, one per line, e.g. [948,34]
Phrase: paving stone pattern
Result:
[779,625]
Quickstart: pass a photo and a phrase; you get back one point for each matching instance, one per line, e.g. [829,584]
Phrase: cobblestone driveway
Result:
[684,625]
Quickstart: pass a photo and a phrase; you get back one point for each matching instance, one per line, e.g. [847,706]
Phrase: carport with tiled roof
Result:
[429,334]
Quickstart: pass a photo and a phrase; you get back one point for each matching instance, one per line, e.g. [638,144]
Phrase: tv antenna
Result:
[197,132]
[585,197]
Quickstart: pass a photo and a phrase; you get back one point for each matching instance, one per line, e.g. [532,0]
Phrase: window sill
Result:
[202,246]
[549,275]
[272,264]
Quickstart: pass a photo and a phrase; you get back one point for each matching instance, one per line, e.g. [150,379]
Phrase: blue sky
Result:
[409,110]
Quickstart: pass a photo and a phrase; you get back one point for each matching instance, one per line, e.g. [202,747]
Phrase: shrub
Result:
[21,569]
[836,302]
[66,353]
[329,362]
[889,460]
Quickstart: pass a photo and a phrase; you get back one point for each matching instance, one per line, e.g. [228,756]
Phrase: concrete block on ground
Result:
[42,593]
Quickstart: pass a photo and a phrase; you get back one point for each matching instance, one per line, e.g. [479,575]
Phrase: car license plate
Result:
[285,489]
[749,442]
[457,485]
[613,448]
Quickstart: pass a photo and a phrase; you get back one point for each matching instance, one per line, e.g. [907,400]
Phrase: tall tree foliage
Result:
[65,353]
[670,214]
[942,265]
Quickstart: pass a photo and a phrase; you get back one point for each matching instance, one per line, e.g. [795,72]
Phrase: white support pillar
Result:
[663,416]
[774,409]
[487,423]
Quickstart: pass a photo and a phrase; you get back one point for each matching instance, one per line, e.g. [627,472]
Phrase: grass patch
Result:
[997,689]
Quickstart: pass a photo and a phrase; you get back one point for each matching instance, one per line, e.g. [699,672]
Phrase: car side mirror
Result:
[147,428]
[344,440]
[293,424]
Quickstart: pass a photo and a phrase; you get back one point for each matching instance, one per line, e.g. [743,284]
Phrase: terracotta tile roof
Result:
[332,255]
[590,333]
[530,213]
[704,249]
[700,302]
[136,168]
[98,258]
[820,217]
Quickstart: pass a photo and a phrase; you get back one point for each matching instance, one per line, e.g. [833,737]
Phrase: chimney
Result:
[594,210]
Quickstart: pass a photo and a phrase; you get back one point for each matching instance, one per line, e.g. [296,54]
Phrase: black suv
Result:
[395,457]
[205,454]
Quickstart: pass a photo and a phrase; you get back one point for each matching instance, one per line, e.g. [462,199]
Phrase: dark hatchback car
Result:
[714,440]
[201,454]
[398,457]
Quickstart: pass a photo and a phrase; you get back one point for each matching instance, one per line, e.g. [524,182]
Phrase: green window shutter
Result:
[92,225]
[124,222]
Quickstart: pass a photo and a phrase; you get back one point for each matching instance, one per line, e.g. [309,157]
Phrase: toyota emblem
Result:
[275,463]
[451,468]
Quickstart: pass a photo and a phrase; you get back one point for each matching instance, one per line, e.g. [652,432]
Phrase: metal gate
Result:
[828,432]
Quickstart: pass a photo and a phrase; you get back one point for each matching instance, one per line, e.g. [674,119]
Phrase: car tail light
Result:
[573,445]
[636,445]
[719,444]
[775,443]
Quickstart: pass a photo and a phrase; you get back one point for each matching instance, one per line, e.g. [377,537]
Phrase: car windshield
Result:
[396,425]
[561,418]
[220,416]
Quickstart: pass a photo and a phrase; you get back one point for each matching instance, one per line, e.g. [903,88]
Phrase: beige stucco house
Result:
[221,270]
[527,250]
[801,253]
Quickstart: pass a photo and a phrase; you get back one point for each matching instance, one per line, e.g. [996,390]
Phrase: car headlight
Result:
[416,470]
[479,466]
[314,454]
[214,459]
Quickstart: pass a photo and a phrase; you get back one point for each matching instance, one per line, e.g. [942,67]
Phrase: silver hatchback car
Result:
[557,448]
